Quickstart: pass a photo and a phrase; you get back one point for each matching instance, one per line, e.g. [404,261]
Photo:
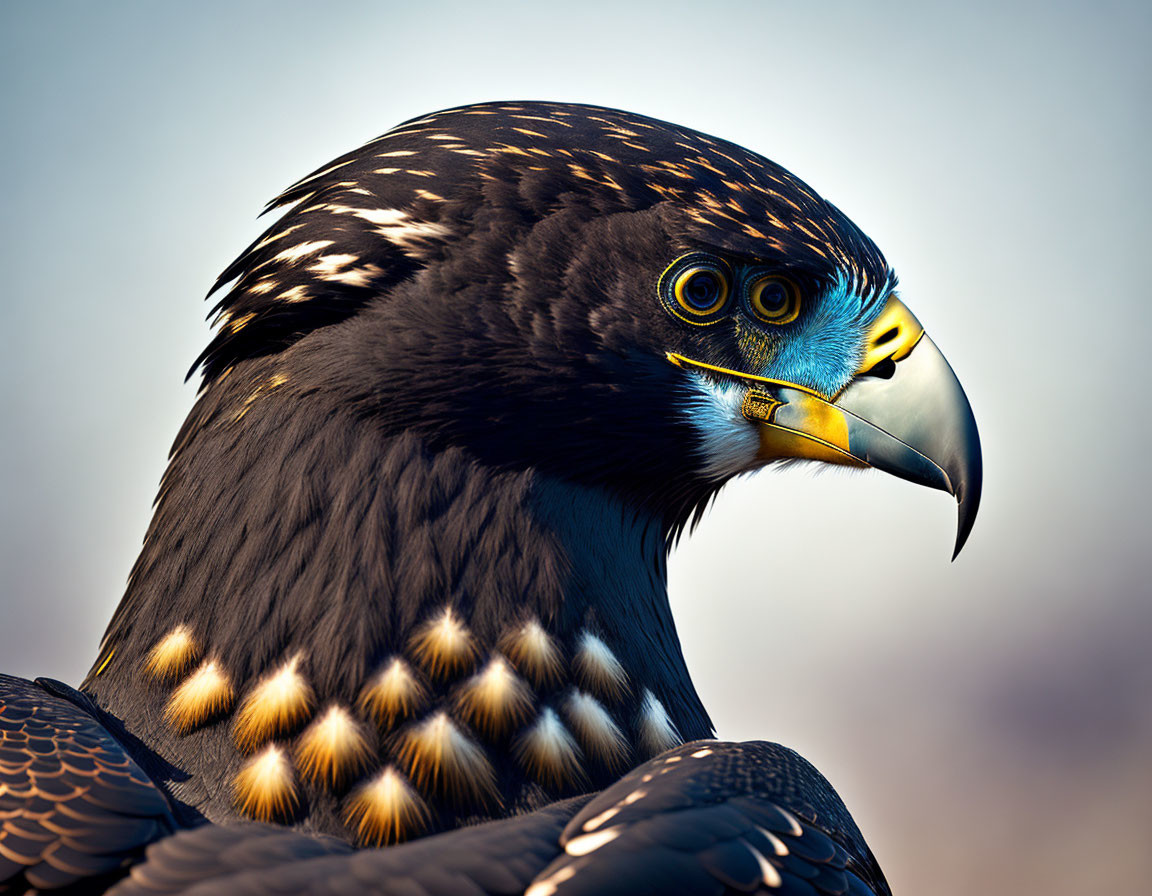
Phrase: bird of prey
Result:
[400,621]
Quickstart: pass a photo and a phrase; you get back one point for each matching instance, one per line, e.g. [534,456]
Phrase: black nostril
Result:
[882,370]
[888,336]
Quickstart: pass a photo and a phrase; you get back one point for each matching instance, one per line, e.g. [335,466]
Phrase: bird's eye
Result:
[774,299]
[695,288]
[700,290]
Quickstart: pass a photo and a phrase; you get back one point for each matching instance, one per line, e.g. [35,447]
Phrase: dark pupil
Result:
[773,297]
[702,290]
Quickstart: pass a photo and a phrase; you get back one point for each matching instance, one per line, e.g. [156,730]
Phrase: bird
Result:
[400,619]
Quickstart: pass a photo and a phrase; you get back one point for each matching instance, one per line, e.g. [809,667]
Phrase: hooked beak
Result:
[903,412]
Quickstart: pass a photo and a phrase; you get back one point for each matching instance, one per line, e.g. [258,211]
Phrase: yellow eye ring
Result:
[774,299]
[701,290]
[696,288]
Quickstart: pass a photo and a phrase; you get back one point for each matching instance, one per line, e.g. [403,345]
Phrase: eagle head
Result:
[608,298]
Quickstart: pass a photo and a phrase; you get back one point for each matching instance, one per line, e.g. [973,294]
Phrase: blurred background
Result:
[988,721]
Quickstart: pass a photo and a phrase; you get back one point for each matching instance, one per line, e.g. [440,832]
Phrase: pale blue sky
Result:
[997,153]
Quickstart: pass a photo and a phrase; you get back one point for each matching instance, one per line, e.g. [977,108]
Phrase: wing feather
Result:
[73,803]
[706,818]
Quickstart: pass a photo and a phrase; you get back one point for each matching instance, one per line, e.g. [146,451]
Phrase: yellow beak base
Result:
[904,412]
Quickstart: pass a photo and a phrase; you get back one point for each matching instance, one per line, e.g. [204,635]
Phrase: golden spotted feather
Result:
[443,645]
[265,788]
[280,702]
[393,693]
[386,809]
[173,655]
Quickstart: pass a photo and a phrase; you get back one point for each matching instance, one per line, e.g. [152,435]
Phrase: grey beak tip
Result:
[961,538]
[967,504]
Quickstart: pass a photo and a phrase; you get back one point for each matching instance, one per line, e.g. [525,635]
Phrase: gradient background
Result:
[989,722]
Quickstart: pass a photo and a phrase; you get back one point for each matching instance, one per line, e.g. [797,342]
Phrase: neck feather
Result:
[369,623]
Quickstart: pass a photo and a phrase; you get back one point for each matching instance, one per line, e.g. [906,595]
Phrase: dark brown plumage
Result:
[406,571]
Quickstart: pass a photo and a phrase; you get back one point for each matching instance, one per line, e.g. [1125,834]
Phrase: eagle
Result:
[400,620]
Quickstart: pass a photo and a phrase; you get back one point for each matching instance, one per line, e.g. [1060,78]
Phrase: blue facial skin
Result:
[823,348]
